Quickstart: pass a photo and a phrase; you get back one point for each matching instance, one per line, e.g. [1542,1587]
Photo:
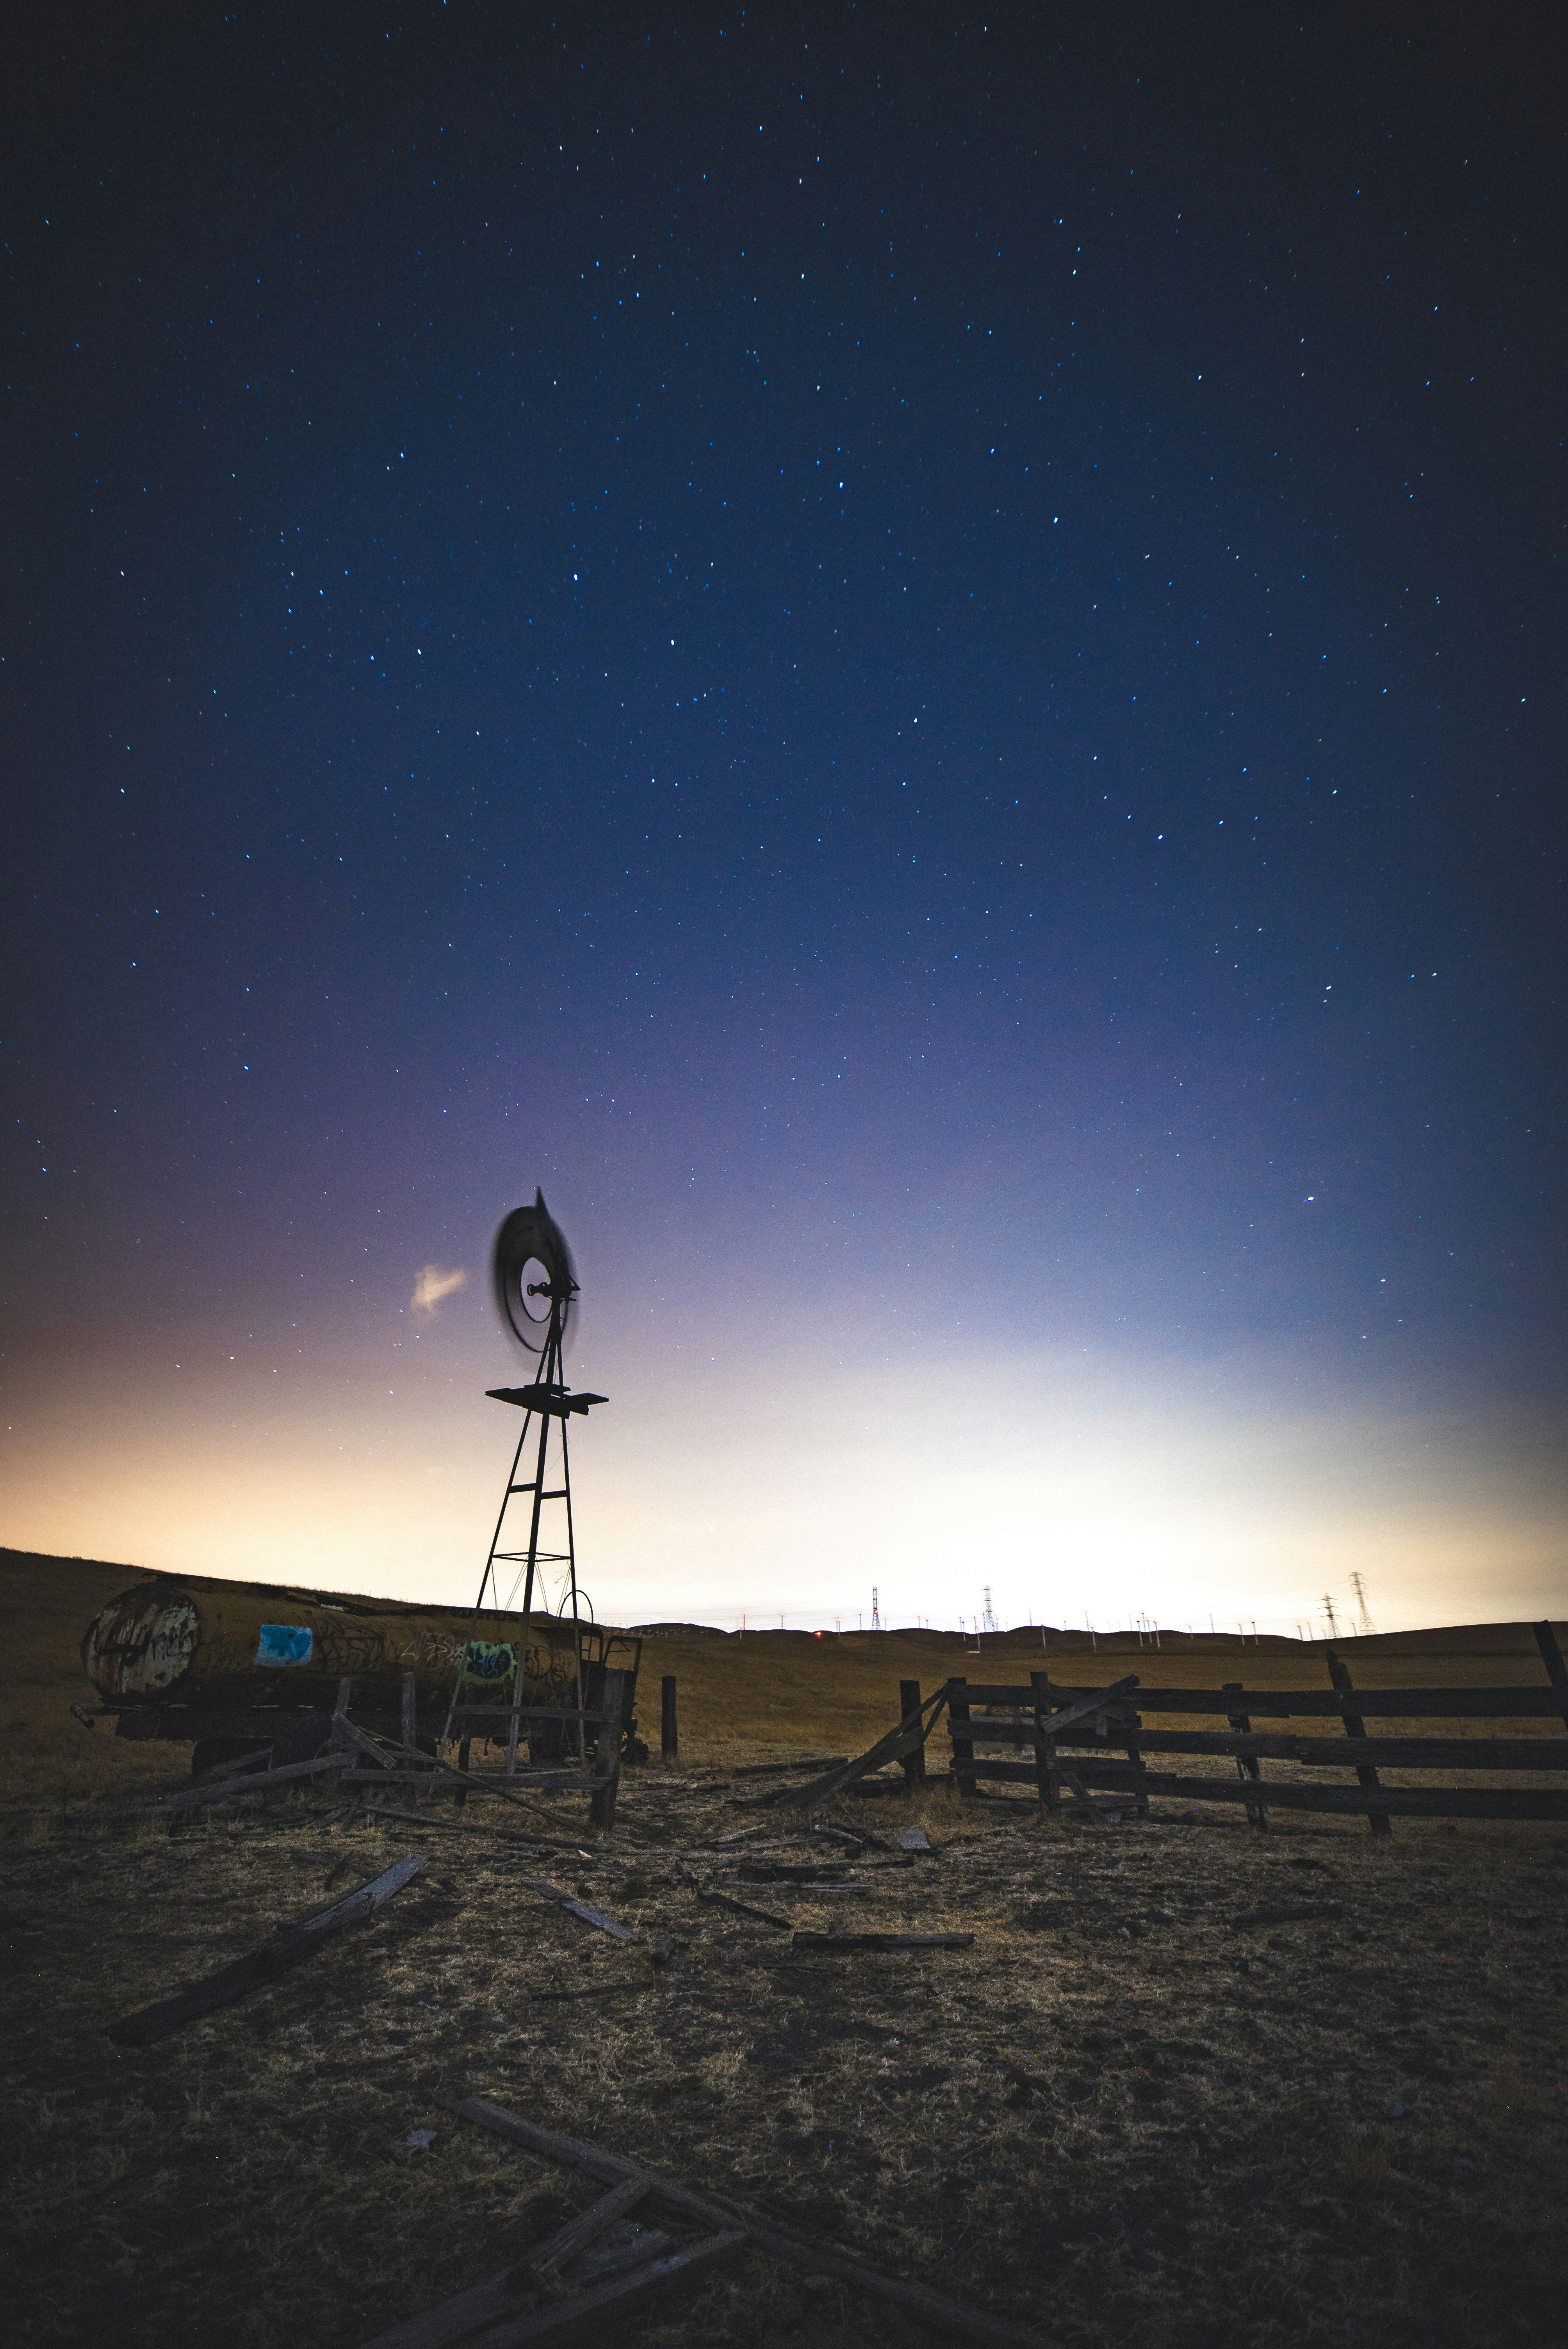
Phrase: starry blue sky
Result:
[914,656]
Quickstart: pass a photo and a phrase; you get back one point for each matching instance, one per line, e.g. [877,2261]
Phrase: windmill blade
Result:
[530,1266]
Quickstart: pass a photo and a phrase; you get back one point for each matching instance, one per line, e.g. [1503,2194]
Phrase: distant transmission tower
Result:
[876,1618]
[1328,1610]
[1364,1623]
[988,1619]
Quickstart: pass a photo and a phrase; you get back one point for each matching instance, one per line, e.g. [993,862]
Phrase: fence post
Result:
[1340,1673]
[1247,1767]
[1045,1745]
[1556,1670]
[962,1745]
[410,1710]
[914,1763]
[669,1736]
[1139,1766]
[607,1751]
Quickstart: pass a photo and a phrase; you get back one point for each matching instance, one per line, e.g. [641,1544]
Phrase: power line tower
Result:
[988,1619]
[1328,1610]
[1364,1624]
[876,1618]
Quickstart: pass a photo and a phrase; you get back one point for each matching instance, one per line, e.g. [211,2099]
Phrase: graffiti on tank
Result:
[488,1661]
[285,1643]
[146,1648]
[339,1649]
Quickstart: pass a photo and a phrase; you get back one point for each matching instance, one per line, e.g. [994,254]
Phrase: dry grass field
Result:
[1190,2086]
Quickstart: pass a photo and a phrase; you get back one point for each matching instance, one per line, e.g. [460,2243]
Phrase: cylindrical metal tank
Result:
[191,1657]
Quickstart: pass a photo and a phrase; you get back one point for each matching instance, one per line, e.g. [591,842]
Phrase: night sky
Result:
[914,657]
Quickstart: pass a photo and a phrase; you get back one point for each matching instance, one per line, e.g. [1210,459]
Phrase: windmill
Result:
[536,1290]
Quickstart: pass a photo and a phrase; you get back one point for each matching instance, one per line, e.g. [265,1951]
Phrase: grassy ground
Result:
[1190,2084]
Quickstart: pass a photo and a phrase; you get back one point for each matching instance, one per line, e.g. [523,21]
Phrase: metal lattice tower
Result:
[537,1312]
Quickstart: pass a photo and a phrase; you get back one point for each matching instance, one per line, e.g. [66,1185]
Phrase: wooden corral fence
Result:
[1088,1746]
[380,1763]
[588,1739]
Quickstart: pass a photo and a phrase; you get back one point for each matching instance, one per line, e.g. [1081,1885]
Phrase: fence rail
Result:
[1072,1734]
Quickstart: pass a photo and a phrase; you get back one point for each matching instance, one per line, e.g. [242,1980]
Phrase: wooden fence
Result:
[597,1729]
[1090,1746]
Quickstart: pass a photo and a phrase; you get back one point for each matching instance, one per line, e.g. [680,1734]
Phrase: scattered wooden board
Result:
[287,1948]
[254,1782]
[810,2254]
[744,1909]
[884,1940]
[553,1893]
[490,2309]
[562,2247]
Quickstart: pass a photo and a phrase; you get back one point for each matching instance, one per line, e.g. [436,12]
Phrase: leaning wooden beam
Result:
[898,1743]
[808,2252]
[287,1948]
[344,1735]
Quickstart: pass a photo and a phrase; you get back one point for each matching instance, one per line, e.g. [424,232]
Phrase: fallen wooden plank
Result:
[458,2319]
[489,2309]
[287,1948]
[256,1782]
[419,1819]
[810,2254]
[744,1909]
[562,2248]
[553,1893]
[594,1990]
[484,1786]
[884,1940]
[1325,1911]
[777,1871]
[594,2266]
[582,2316]
[783,1769]
[434,1782]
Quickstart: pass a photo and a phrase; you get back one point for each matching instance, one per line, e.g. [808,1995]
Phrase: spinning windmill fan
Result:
[535,1285]
[536,1290]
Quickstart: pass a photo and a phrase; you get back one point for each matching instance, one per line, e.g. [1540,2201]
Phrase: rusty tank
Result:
[231,1666]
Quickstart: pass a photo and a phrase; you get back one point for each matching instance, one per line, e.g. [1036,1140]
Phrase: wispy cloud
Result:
[433,1284]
